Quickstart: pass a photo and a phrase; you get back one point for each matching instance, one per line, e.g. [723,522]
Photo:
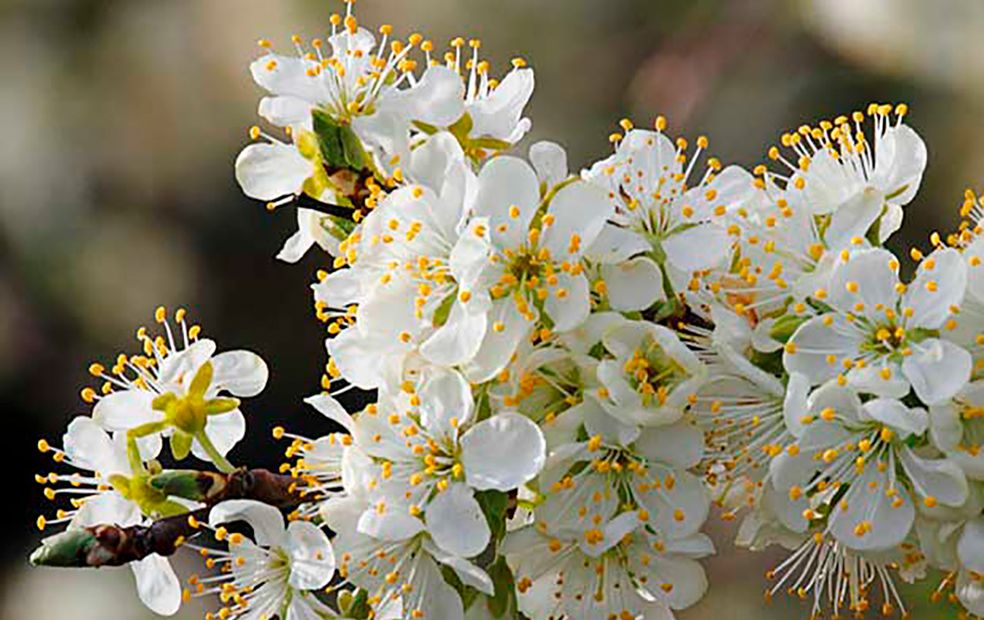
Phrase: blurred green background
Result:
[121,120]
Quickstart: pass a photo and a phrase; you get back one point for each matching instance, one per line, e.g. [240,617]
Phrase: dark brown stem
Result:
[113,545]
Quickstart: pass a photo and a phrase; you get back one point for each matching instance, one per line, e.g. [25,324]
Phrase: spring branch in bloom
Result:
[113,545]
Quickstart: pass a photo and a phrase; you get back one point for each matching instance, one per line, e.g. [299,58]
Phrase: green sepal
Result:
[64,549]
[180,445]
[461,128]
[201,381]
[215,406]
[443,310]
[355,154]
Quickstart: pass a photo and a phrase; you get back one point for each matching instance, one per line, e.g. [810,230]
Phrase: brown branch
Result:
[113,545]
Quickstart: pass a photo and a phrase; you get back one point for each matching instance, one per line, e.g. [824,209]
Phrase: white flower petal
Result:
[635,284]
[941,479]
[498,347]
[680,445]
[499,115]
[445,401]
[157,585]
[853,218]
[224,430]
[937,369]
[312,563]
[430,161]
[869,506]
[470,574]
[88,446]
[458,340]
[329,407]
[286,111]
[505,182]
[814,342]
[900,160]
[697,248]
[970,546]
[580,210]
[266,521]
[109,507]
[573,308]
[121,411]
[394,523]
[615,244]
[934,291]
[456,523]
[269,171]
[241,373]
[902,419]
[549,159]
[872,274]
[488,466]
[437,98]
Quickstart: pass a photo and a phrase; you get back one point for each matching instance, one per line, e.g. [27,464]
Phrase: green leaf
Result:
[63,549]
[782,330]
[494,505]
[179,483]
[329,139]
[504,600]
[180,444]
[359,605]
[467,593]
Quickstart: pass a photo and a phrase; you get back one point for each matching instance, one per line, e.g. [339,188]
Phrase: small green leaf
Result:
[180,444]
[782,330]
[504,600]
[179,483]
[494,505]
[355,154]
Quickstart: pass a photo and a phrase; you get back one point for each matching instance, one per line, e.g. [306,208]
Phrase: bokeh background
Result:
[120,121]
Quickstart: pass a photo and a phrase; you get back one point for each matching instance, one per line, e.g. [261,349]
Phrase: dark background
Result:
[121,120]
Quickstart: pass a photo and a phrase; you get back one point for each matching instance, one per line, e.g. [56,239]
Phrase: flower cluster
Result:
[565,371]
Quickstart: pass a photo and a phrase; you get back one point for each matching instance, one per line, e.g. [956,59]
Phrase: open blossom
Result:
[957,428]
[831,164]
[618,530]
[104,488]
[351,78]
[398,272]
[486,115]
[862,447]
[650,378]
[516,265]
[277,572]
[433,457]
[882,335]
[662,208]
[175,388]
